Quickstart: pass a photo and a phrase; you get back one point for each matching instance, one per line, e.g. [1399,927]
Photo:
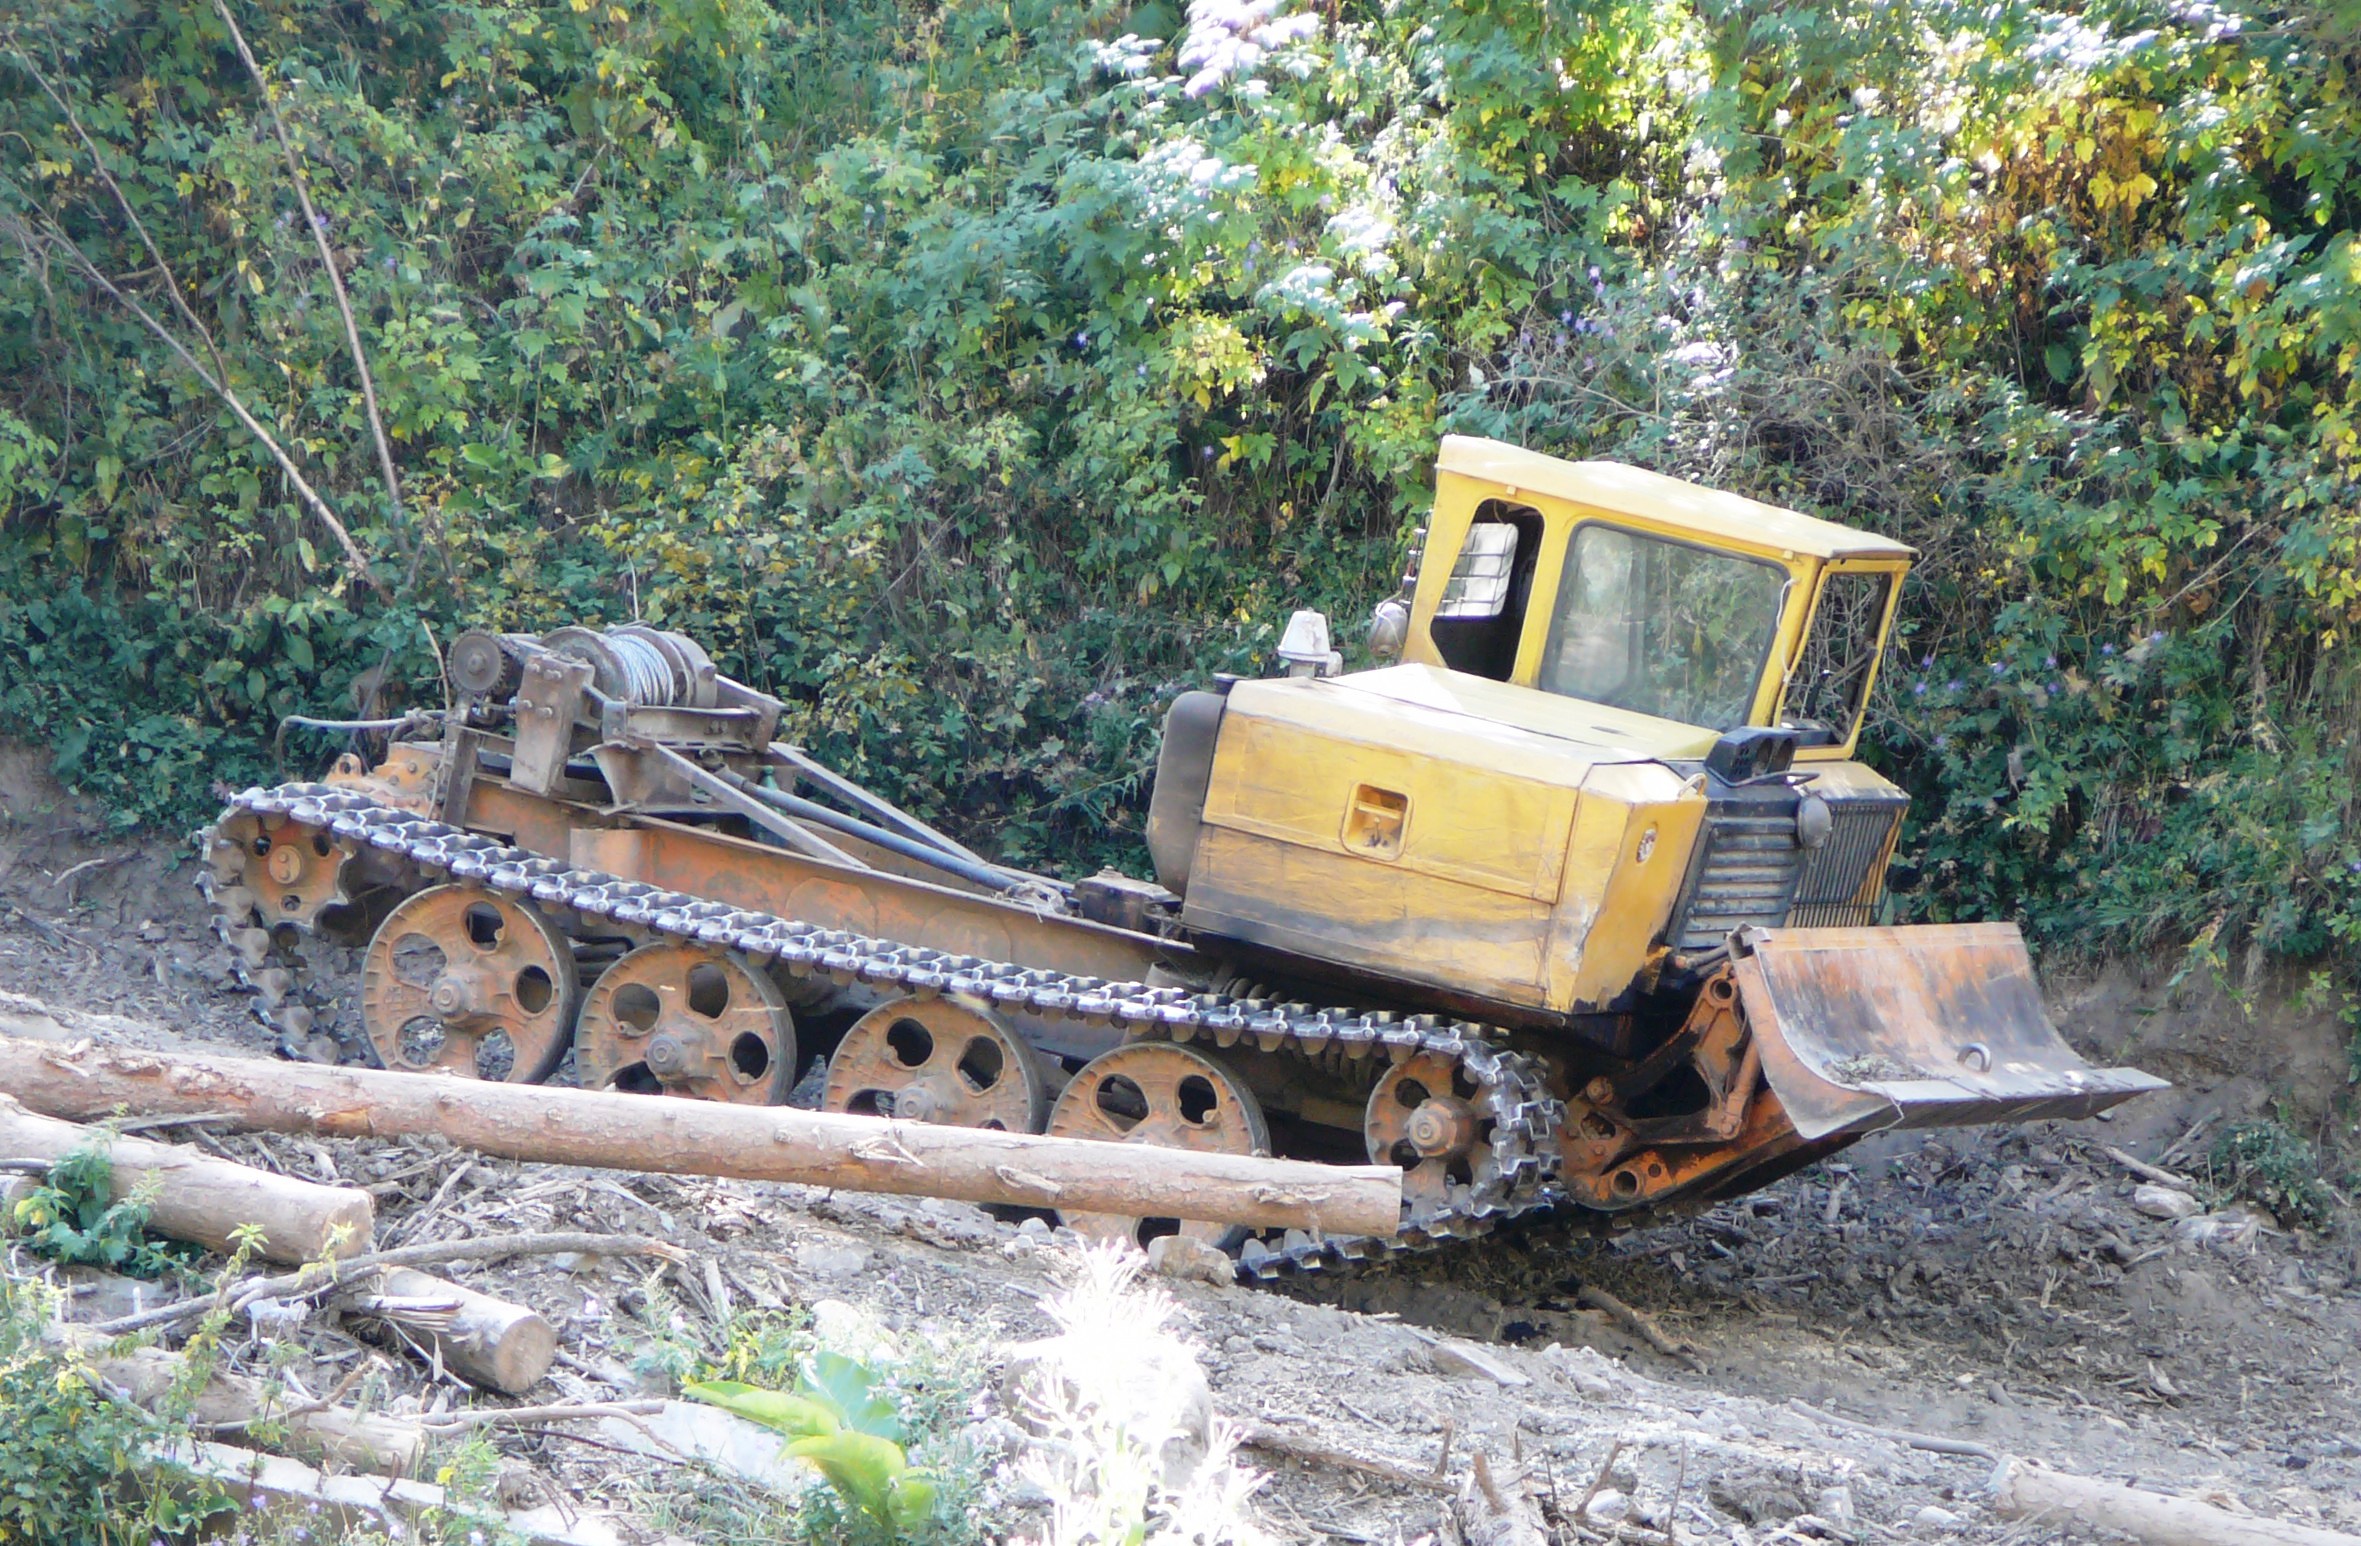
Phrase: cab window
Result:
[1480,617]
[1825,692]
[1662,627]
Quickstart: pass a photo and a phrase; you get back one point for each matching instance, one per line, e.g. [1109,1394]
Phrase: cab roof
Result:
[1622,490]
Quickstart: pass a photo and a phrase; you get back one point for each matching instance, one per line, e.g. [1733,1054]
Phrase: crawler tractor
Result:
[1580,905]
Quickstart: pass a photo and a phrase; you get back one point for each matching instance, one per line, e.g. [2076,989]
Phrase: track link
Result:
[1512,1172]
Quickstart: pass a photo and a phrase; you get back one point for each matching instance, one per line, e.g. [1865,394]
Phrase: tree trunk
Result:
[200,1198]
[710,1138]
[485,1341]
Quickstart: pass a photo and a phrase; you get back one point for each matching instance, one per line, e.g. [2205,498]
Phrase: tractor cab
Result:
[1673,608]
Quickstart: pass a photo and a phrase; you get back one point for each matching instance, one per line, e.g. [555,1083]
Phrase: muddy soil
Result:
[1990,1287]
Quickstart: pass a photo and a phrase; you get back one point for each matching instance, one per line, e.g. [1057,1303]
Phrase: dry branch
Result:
[685,1137]
[1278,1441]
[55,239]
[313,224]
[1933,1444]
[1640,1326]
[535,1416]
[2148,1172]
[334,1507]
[2021,1490]
[196,1197]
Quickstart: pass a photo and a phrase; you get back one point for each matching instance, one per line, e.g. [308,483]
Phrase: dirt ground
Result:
[1991,1287]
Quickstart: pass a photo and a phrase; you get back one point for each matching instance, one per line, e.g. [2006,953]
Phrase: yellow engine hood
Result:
[1485,775]
[1440,828]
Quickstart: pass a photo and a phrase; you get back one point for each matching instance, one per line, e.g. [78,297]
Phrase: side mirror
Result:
[1389,628]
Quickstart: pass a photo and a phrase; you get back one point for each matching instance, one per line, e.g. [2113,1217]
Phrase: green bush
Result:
[67,1447]
[2265,1163]
[976,376]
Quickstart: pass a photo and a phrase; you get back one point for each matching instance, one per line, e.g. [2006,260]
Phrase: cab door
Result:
[1828,678]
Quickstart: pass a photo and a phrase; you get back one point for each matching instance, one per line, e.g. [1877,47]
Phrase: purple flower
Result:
[2157,637]
[1566,317]
[2057,689]
[1953,685]
[1081,340]
[1926,662]
[2106,649]
[1998,669]
[2050,661]
[1918,689]
[1209,453]
[1941,742]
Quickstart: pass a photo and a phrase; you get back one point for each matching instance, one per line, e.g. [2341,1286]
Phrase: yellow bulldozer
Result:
[1580,905]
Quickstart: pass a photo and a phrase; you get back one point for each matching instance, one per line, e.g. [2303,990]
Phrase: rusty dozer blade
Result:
[1938,1025]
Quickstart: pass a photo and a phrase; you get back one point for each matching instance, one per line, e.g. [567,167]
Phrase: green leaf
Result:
[798,1417]
[2060,361]
[910,1500]
[848,1387]
[863,1468]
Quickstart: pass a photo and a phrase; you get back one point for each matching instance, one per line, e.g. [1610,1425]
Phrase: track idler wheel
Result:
[673,1018]
[1154,1092]
[1421,1116]
[460,980]
[938,1060]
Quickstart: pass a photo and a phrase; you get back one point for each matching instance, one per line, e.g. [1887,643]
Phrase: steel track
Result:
[1511,1173]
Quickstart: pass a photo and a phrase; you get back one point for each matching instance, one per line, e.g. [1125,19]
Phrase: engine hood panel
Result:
[1397,785]
[1516,717]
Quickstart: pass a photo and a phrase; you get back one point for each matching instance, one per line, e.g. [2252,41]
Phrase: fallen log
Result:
[709,1138]
[231,1403]
[196,1197]
[485,1341]
[2021,1490]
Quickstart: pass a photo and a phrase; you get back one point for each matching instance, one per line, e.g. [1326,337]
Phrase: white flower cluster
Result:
[1231,38]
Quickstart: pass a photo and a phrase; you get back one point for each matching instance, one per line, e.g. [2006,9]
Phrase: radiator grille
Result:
[1748,870]
[1843,880]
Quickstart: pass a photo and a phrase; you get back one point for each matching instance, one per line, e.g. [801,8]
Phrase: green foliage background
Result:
[975,374]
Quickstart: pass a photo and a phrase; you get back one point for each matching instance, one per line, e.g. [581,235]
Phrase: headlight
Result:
[1813,822]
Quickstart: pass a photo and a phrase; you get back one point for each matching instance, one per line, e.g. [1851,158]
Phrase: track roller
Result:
[674,1018]
[1155,1092]
[940,1060]
[463,981]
